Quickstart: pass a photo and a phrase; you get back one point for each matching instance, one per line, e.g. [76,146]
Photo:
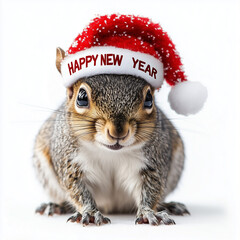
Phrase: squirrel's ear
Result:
[60,55]
[70,92]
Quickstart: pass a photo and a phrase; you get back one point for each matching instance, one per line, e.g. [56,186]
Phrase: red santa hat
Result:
[125,44]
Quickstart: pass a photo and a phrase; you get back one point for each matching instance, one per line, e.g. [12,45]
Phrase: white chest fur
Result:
[113,177]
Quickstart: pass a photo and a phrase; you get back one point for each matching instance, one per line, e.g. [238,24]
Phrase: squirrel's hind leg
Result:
[173,208]
[53,208]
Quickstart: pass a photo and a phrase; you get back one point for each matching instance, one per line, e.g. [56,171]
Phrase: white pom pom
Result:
[187,97]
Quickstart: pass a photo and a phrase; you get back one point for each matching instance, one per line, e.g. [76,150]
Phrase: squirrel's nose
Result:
[115,136]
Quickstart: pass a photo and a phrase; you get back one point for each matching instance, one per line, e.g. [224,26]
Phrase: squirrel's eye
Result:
[148,100]
[82,98]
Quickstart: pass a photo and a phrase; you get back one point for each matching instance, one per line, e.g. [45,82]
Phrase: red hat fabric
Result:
[123,44]
[133,33]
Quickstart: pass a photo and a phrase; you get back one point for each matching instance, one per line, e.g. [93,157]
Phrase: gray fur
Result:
[118,97]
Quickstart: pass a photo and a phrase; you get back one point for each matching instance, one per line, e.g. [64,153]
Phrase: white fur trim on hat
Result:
[187,97]
[111,60]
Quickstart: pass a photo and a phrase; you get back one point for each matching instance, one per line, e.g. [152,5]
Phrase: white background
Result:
[206,34]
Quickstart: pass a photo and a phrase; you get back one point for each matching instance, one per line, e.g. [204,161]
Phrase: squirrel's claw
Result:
[106,220]
[164,217]
[52,208]
[86,219]
[41,209]
[96,218]
[139,220]
[100,219]
[154,218]
[77,217]
[174,208]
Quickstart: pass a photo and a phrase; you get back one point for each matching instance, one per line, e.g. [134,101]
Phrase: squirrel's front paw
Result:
[154,218]
[95,217]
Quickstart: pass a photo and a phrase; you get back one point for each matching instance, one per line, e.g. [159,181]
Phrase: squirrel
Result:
[109,149]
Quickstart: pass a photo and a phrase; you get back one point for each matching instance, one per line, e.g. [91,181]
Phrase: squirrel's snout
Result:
[115,136]
[117,132]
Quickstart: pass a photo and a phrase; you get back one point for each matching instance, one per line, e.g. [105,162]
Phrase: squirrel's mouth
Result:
[116,146]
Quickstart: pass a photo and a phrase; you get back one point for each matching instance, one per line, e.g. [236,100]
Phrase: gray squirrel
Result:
[109,149]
